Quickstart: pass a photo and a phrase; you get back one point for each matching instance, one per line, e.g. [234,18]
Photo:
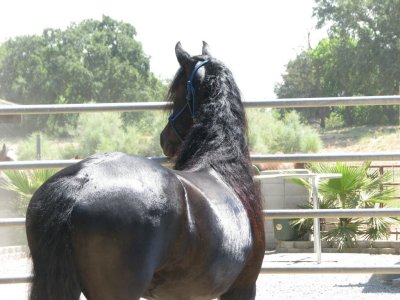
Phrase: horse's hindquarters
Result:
[123,226]
[114,216]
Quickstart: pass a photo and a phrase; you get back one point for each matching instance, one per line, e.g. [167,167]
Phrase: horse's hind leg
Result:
[244,287]
[248,293]
[108,270]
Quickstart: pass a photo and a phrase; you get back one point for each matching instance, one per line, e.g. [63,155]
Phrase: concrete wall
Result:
[10,235]
[280,193]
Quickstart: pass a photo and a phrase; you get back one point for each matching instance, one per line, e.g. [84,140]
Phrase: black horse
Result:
[117,226]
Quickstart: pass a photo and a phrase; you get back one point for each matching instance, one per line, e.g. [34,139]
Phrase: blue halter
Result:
[190,99]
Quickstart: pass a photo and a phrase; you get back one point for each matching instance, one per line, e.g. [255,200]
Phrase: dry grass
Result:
[361,139]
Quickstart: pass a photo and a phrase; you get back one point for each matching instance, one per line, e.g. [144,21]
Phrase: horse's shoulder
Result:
[209,196]
[206,182]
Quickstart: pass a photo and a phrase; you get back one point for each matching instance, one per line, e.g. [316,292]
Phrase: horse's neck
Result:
[227,154]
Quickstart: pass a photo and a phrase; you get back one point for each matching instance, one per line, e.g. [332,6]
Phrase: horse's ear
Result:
[206,49]
[182,56]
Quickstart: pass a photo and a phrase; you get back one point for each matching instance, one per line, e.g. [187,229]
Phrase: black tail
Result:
[49,238]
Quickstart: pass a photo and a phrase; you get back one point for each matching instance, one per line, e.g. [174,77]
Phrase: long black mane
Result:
[218,137]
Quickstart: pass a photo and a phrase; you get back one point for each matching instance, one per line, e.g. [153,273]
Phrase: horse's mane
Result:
[218,137]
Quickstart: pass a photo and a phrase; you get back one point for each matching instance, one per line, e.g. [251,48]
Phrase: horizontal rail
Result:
[299,175]
[325,101]
[144,106]
[53,164]
[16,279]
[392,156]
[289,214]
[36,164]
[320,269]
[275,270]
[330,213]
[38,109]
[12,222]
[331,270]
[389,156]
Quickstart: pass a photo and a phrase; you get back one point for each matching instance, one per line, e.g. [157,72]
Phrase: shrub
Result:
[358,187]
[101,132]
[51,149]
[25,183]
[269,134]
[334,121]
[104,132]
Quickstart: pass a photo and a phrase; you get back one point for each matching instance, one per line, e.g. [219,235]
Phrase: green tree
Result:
[375,28]
[98,61]
[360,57]
[319,72]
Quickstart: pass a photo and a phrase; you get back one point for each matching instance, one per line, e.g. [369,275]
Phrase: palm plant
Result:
[359,187]
[25,183]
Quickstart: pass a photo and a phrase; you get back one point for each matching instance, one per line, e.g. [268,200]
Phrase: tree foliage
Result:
[98,61]
[360,57]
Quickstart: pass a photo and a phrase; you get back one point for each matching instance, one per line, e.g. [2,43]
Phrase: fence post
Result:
[38,147]
[317,233]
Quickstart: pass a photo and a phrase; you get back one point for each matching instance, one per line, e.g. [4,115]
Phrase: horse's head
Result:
[187,93]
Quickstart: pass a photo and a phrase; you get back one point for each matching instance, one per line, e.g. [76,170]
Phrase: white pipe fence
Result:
[331,213]
[146,106]
[256,158]
[270,214]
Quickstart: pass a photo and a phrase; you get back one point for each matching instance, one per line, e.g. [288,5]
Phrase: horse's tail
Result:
[49,238]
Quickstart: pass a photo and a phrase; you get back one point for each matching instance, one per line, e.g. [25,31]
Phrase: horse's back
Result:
[126,189]
[110,187]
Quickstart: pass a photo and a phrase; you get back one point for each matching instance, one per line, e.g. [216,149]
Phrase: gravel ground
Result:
[274,286]
[328,286]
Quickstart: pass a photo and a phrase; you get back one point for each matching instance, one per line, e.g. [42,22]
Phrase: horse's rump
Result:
[103,204]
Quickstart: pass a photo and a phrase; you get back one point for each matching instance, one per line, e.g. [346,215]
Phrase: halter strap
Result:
[190,99]
[191,93]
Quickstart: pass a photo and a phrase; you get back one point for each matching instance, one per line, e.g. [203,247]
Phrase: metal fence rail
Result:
[331,213]
[16,279]
[12,222]
[52,164]
[145,106]
[348,157]
[261,158]
[287,214]
[331,269]
[274,270]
